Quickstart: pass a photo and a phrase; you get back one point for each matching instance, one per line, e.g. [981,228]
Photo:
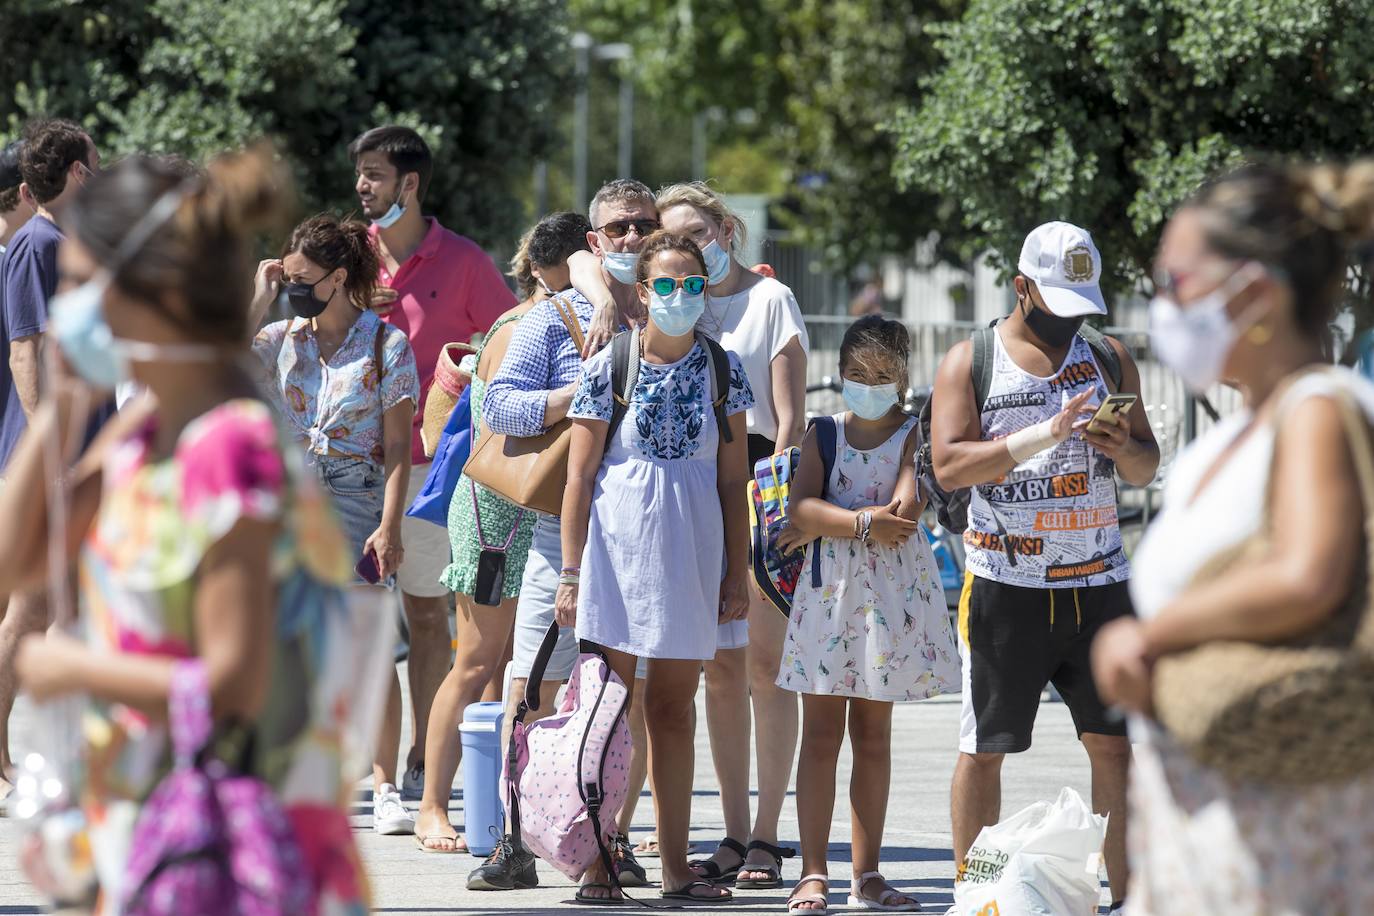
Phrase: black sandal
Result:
[609,900]
[711,871]
[627,868]
[774,872]
[684,895]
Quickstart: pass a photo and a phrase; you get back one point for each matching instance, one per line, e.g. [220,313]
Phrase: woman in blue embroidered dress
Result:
[651,523]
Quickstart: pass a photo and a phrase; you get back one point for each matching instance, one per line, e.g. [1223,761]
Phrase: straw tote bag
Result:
[530,471]
[1298,712]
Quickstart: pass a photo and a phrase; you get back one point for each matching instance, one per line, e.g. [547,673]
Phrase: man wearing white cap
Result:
[1046,568]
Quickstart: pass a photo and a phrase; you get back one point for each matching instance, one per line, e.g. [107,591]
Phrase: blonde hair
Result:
[698,194]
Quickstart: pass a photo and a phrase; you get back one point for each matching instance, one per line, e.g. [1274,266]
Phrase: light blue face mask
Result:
[77,323]
[871,402]
[620,265]
[677,314]
[393,214]
[717,262]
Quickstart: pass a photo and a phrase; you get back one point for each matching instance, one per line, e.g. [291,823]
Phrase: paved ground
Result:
[916,851]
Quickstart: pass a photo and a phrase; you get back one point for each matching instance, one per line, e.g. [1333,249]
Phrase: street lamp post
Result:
[586,49]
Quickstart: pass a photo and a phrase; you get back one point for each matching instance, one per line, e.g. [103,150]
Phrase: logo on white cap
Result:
[1062,261]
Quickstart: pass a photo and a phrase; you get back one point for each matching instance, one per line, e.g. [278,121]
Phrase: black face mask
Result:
[1053,330]
[301,298]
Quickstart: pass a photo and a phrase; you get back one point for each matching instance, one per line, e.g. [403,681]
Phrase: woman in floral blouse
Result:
[346,385]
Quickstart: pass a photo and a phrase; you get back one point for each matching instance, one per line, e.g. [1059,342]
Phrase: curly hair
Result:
[333,243]
[50,148]
[10,178]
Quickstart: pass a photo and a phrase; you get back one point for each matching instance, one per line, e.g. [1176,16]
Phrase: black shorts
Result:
[1013,641]
[759,447]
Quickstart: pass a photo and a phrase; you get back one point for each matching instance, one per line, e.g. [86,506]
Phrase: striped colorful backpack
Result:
[770,495]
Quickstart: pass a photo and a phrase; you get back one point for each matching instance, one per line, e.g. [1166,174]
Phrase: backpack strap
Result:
[984,342]
[827,436]
[1106,354]
[624,377]
[720,381]
[568,314]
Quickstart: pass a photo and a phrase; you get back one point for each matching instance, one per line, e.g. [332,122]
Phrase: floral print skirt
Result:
[1201,844]
[876,628]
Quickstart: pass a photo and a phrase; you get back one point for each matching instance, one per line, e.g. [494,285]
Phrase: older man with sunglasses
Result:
[531,391]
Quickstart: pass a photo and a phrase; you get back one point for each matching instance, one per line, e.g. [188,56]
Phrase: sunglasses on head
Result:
[619,228]
[664,286]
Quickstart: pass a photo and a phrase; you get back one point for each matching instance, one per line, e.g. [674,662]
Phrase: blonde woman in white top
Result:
[756,318]
[1247,277]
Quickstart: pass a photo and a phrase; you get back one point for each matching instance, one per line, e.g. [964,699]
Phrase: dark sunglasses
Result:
[664,286]
[619,228]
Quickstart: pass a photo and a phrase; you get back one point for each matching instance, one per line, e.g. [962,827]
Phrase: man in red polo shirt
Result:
[447,290]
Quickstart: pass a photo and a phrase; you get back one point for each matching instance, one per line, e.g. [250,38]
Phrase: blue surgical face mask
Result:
[78,325]
[393,214]
[676,314]
[871,402]
[77,322]
[621,265]
[717,262]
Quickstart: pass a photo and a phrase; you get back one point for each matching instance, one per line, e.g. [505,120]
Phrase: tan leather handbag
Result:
[530,471]
[1298,712]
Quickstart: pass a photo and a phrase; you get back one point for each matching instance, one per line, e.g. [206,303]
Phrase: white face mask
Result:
[620,265]
[1196,341]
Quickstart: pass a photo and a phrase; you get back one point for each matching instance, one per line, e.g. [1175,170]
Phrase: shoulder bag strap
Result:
[569,315]
[378,358]
[720,382]
[624,377]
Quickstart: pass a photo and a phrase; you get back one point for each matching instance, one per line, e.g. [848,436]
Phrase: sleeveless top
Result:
[1051,522]
[862,478]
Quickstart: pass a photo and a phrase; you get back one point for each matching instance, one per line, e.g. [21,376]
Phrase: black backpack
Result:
[625,373]
[952,506]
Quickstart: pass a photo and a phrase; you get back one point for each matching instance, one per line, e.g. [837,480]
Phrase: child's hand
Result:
[888,529]
[791,538]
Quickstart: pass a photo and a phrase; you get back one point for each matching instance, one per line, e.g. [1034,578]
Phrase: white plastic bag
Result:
[1042,861]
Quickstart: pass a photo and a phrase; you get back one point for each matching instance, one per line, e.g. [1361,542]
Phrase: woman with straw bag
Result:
[1251,669]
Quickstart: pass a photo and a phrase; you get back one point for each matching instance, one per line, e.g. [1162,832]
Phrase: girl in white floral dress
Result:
[876,630]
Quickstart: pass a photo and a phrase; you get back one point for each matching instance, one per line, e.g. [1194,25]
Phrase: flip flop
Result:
[423,843]
[582,898]
[709,870]
[683,896]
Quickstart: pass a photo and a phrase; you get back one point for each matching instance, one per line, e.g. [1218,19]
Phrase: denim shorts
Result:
[357,489]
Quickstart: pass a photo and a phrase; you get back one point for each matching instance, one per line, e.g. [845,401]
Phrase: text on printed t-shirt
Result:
[1060,486]
[1075,520]
[1014,400]
[1019,544]
[1075,375]
[1087,569]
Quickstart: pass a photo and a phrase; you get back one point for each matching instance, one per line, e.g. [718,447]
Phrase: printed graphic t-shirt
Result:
[1051,522]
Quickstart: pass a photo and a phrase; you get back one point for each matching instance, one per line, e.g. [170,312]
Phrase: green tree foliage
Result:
[821,76]
[478,78]
[1109,113]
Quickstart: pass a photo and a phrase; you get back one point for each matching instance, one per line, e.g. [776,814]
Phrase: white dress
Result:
[655,549]
[1199,843]
[877,627]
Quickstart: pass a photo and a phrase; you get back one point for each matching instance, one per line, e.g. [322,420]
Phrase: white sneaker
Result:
[389,816]
[413,783]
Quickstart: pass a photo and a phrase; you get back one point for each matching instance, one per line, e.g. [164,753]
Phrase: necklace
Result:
[713,323]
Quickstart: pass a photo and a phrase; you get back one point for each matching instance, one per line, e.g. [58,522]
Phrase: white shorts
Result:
[426,547]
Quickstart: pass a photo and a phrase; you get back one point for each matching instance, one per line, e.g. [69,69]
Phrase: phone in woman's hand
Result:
[367,568]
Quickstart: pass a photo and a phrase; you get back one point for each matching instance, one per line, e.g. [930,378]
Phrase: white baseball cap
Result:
[1064,263]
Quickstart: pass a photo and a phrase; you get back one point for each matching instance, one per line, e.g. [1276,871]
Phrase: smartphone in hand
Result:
[367,568]
[1116,405]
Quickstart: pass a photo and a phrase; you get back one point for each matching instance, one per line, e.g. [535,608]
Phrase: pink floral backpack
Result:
[211,840]
[567,775]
